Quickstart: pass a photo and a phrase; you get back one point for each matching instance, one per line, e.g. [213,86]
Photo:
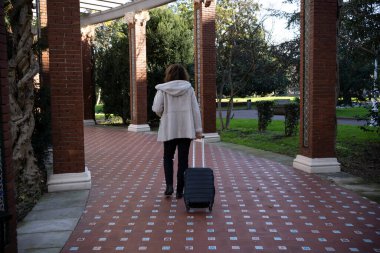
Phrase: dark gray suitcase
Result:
[199,189]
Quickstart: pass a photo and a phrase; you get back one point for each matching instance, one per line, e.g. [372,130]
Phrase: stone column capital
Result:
[129,17]
[142,17]
[207,2]
[137,18]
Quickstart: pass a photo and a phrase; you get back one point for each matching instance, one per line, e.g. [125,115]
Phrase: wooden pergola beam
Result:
[118,12]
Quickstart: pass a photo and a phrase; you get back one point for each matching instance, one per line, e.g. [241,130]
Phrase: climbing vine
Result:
[23,66]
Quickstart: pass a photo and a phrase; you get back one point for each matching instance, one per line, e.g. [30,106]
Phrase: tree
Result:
[112,68]
[287,55]
[358,46]
[355,69]
[293,18]
[241,51]
[169,40]
[23,66]
[185,9]
[359,35]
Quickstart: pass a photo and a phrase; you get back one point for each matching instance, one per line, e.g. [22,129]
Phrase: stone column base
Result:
[139,128]
[316,165]
[89,122]
[211,137]
[69,181]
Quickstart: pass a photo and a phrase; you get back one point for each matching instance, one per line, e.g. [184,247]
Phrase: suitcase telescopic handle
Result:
[203,152]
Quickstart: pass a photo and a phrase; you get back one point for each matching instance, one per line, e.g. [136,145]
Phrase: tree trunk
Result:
[99,95]
[229,114]
[222,127]
[231,101]
[375,94]
[23,66]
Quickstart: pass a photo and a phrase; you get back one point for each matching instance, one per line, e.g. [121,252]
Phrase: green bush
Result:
[265,114]
[292,115]
[372,118]
[99,108]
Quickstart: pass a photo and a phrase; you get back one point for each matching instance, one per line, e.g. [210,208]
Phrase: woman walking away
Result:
[176,104]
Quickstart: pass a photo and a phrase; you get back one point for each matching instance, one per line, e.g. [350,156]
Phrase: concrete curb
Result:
[49,225]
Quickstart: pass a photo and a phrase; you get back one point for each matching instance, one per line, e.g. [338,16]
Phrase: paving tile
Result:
[260,205]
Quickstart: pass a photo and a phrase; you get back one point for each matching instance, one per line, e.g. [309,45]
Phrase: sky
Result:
[276,26]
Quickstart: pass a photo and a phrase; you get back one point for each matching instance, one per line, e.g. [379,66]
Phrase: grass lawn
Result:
[244,132]
[351,112]
[348,112]
[357,151]
[255,99]
[99,116]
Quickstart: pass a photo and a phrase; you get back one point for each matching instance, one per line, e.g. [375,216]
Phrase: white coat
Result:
[176,104]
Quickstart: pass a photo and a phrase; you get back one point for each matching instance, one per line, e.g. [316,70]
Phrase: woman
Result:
[176,104]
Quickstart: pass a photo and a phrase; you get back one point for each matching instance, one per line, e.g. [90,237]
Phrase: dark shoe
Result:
[179,195]
[169,190]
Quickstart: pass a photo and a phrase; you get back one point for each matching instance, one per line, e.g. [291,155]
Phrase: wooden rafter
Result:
[120,11]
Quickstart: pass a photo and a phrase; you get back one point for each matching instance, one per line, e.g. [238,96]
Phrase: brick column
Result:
[7,175]
[89,96]
[138,80]
[205,66]
[66,84]
[318,87]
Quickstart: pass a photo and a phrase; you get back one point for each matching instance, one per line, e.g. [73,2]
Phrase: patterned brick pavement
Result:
[260,206]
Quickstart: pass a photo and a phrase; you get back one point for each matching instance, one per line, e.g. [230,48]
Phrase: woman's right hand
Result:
[199,135]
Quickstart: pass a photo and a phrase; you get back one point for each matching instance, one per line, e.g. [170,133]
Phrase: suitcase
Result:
[199,189]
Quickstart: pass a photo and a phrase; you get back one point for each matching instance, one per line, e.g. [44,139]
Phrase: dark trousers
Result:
[183,145]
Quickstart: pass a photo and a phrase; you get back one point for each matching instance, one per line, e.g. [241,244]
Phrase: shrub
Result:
[99,108]
[372,119]
[265,114]
[292,115]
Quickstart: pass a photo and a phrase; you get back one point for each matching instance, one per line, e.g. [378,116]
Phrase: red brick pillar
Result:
[7,175]
[138,80]
[318,87]
[66,84]
[88,80]
[205,66]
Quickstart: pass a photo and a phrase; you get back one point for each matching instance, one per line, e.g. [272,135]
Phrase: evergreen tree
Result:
[359,37]
[169,40]
[243,62]
[112,68]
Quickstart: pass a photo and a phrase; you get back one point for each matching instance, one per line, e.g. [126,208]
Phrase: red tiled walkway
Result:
[260,206]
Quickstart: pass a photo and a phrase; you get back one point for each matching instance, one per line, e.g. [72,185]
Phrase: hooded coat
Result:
[176,104]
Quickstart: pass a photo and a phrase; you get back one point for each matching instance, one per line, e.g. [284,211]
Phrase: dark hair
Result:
[176,72]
